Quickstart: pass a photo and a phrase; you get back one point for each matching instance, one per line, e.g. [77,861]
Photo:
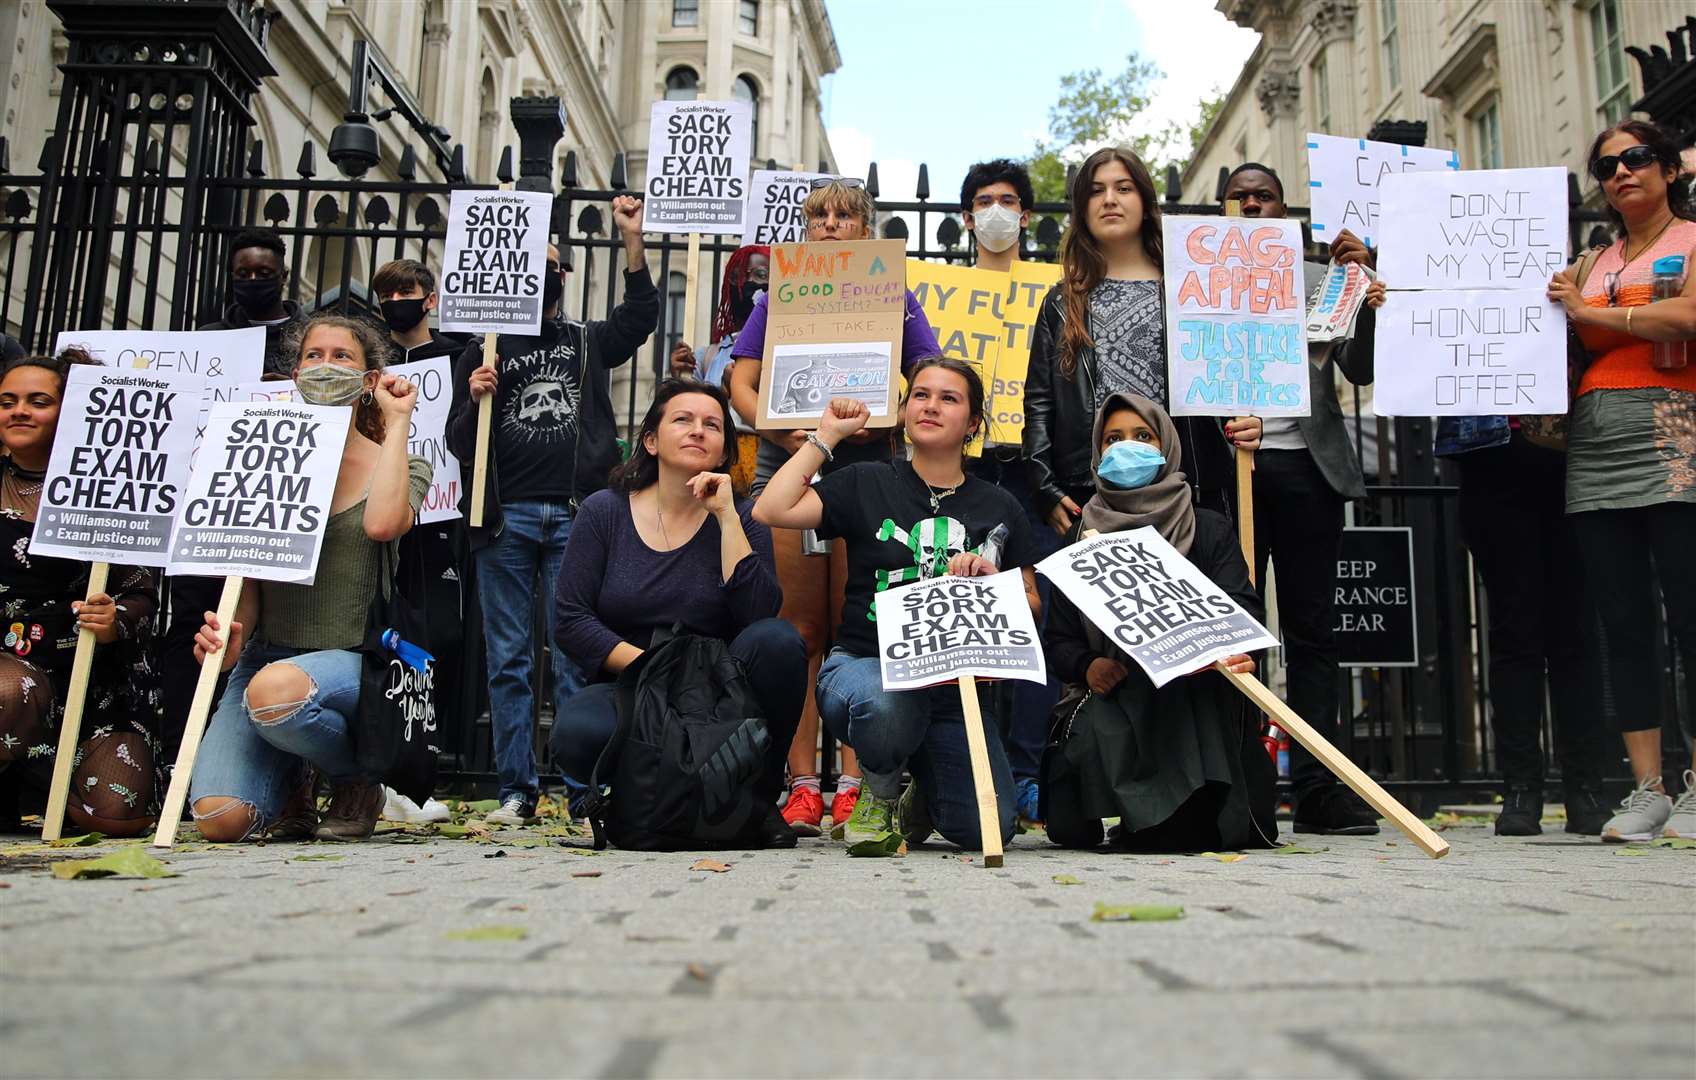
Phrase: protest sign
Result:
[493,262]
[698,153]
[1344,178]
[1471,353]
[1153,603]
[428,437]
[934,631]
[259,496]
[1006,405]
[1235,342]
[1489,229]
[269,390]
[774,206]
[119,465]
[835,318]
[1375,624]
[1336,302]
[965,307]
[226,358]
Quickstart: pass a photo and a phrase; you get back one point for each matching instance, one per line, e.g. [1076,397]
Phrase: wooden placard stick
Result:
[70,728]
[691,274]
[486,411]
[983,780]
[176,797]
[1339,764]
[1245,468]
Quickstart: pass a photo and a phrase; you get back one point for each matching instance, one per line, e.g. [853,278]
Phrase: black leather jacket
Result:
[1060,415]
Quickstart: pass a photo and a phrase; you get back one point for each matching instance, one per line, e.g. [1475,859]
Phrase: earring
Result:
[368,397]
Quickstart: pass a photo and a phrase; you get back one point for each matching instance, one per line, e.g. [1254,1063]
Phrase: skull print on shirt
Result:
[543,407]
[932,542]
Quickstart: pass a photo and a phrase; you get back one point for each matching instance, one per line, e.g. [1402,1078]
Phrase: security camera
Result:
[353,145]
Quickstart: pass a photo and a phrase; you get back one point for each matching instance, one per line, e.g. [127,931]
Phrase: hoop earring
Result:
[367,398]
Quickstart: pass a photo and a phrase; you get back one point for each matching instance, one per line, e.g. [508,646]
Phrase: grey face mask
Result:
[330,384]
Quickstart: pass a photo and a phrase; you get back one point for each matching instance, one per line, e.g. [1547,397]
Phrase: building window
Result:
[1613,84]
[1487,135]
[1390,40]
[748,17]
[745,90]
[682,84]
[675,286]
[686,12]
[1321,97]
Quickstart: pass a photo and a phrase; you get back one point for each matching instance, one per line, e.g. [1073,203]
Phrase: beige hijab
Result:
[1164,502]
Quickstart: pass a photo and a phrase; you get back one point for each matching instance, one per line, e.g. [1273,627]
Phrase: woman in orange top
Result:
[1631,453]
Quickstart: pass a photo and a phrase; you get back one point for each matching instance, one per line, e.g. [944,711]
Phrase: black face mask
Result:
[402,315]
[553,287]
[742,304]
[257,296]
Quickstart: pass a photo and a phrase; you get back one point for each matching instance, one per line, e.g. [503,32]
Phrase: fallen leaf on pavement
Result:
[696,971]
[85,840]
[585,873]
[407,892]
[712,865]
[1630,851]
[1136,912]
[481,806]
[1296,849]
[490,933]
[1066,879]
[1226,857]
[317,858]
[127,862]
[1677,843]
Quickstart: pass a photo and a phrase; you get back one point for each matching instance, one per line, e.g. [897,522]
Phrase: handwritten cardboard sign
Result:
[1344,178]
[1490,229]
[774,206]
[935,631]
[428,436]
[1236,342]
[835,316]
[259,496]
[493,262]
[1153,603]
[226,358]
[698,154]
[1471,353]
[119,465]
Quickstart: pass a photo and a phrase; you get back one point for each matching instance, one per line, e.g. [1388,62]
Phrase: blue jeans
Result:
[920,731]
[260,763]
[517,566]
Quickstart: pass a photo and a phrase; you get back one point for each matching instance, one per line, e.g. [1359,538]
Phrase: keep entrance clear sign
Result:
[1375,622]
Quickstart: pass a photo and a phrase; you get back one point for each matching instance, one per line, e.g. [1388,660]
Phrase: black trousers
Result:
[1513,518]
[1618,546]
[1298,526]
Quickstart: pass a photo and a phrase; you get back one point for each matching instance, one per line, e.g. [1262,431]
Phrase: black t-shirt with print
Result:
[882,511]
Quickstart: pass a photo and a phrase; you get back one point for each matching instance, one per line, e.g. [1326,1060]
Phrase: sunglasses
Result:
[1634,157]
[818,183]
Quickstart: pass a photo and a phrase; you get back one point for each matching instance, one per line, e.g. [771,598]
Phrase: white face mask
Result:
[996,227]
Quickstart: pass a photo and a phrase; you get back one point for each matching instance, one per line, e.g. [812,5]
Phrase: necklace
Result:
[660,517]
[1626,246]
[936,496]
[22,477]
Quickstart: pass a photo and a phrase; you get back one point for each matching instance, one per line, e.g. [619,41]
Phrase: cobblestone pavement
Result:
[1551,956]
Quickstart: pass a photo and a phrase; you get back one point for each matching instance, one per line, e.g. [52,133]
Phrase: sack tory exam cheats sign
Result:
[1153,603]
[1236,340]
[937,630]
[1468,257]
[774,206]
[698,155]
[116,476]
[493,261]
[1345,176]
[259,497]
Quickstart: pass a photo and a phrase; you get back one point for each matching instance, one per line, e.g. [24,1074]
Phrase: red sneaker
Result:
[842,805]
[804,811]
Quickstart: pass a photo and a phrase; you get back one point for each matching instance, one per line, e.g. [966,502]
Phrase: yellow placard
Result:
[1030,284]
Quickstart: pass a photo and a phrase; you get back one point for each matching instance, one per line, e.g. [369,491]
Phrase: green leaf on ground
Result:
[1066,879]
[523,841]
[85,840]
[471,831]
[1296,849]
[879,846]
[490,933]
[1630,851]
[128,862]
[318,858]
[1232,856]
[1677,843]
[481,806]
[1136,912]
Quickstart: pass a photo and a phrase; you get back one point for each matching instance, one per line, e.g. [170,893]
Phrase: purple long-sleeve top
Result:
[613,587]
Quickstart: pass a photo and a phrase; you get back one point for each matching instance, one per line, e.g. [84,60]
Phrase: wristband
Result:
[813,437]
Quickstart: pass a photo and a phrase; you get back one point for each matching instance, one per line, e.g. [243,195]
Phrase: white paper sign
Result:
[935,631]
[1235,322]
[428,439]
[1153,603]
[805,377]
[1480,353]
[774,207]
[119,465]
[1336,302]
[259,496]
[1344,175]
[227,358]
[1491,229]
[494,260]
[268,390]
[698,153]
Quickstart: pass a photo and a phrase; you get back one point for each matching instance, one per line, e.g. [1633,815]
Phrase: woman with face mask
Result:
[746,274]
[43,607]
[292,650]
[1182,767]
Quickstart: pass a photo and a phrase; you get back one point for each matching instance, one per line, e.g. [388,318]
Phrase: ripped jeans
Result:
[260,760]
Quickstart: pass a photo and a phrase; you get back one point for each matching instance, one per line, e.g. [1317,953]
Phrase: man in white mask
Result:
[995,205]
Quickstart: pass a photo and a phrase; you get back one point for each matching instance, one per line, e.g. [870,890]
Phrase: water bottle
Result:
[1669,282]
[410,655]
[994,544]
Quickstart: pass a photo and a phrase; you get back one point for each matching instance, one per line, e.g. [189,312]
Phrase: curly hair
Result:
[375,348]
[735,276]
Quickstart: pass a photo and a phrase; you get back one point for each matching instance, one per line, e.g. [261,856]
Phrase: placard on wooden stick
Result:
[835,317]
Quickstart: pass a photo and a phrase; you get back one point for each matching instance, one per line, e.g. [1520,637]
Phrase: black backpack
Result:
[678,773]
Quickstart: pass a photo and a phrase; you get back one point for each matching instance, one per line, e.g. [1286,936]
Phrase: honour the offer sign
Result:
[1236,342]
[119,466]
[1153,603]
[1481,352]
[936,631]
[698,154]
[493,262]
[259,496]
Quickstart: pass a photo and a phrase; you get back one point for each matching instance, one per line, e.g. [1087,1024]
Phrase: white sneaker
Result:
[399,808]
[514,811]
[1641,816]
[1682,823]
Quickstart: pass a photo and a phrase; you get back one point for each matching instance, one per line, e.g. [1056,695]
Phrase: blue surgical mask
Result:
[1130,464]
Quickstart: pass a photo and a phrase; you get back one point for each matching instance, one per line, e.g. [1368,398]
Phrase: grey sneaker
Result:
[1640,817]
[514,811]
[1682,823]
[912,816]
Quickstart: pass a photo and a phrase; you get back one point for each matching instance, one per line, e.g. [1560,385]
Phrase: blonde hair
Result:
[844,200]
